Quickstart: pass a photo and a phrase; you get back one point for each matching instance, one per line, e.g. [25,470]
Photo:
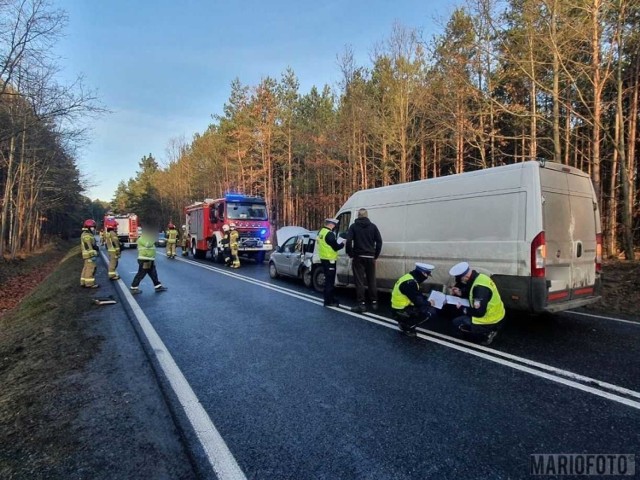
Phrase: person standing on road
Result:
[364,244]
[113,247]
[483,317]
[146,266]
[410,307]
[185,242]
[225,243]
[89,254]
[328,247]
[234,239]
[172,240]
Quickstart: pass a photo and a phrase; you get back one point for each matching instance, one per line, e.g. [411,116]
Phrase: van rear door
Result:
[570,225]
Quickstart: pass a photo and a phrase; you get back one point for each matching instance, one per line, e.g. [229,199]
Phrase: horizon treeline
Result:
[504,82]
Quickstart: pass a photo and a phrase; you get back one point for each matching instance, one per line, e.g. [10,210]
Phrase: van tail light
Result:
[538,256]
[598,253]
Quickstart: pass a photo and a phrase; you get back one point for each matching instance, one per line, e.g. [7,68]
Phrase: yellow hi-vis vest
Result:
[325,251]
[399,300]
[146,250]
[87,241]
[495,309]
[172,235]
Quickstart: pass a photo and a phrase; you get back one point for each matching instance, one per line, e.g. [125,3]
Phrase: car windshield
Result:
[246,211]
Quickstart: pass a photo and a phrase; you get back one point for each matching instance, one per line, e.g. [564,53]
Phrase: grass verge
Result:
[42,341]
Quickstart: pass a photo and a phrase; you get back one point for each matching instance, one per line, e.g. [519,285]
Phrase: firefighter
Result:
[225,243]
[172,240]
[146,265]
[113,247]
[185,241]
[410,307]
[234,238]
[89,254]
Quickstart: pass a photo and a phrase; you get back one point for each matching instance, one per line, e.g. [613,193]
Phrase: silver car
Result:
[294,254]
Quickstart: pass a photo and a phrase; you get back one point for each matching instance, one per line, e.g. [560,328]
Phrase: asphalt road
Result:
[280,387]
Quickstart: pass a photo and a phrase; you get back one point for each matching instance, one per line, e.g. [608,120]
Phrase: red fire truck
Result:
[204,222]
[127,228]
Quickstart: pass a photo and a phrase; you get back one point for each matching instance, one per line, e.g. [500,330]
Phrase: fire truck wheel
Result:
[318,279]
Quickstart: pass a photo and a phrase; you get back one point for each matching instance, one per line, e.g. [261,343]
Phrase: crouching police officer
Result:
[482,318]
[410,307]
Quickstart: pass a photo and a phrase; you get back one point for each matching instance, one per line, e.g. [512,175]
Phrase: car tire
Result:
[273,271]
[307,278]
[318,279]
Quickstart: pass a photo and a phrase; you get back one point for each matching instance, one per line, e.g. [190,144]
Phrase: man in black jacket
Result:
[363,245]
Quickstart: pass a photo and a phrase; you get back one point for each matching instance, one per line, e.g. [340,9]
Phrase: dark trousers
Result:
[364,273]
[414,315]
[329,268]
[472,330]
[146,267]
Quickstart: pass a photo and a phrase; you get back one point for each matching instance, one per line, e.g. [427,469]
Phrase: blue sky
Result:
[163,68]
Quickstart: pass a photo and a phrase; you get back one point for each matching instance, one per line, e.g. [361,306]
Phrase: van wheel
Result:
[307,279]
[273,271]
[318,279]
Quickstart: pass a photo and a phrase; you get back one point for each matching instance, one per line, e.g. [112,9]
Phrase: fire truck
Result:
[128,228]
[204,222]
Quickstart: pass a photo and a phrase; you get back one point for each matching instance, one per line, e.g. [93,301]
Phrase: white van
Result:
[534,227]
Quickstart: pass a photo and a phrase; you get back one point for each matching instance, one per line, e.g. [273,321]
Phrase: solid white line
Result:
[218,454]
[602,316]
[491,355]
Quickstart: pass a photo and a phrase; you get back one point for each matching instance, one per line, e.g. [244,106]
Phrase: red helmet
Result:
[89,223]
[111,223]
[171,225]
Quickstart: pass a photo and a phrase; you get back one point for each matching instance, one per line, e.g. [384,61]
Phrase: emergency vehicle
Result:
[204,221]
[128,228]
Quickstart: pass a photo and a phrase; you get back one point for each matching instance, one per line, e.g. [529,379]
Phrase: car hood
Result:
[285,233]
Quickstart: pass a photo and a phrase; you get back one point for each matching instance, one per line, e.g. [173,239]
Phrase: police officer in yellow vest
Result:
[172,240]
[328,247]
[89,254]
[113,247]
[409,306]
[146,265]
[481,320]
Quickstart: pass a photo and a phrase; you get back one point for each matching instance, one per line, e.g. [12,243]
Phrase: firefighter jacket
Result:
[485,312]
[226,240]
[234,236]
[112,242]
[88,244]
[327,245]
[146,250]
[172,235]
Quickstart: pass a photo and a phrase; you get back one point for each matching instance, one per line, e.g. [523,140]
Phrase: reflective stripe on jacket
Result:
[113,244]
[87,241]
[172,236]
[399,300]
[325,250]
[495,309]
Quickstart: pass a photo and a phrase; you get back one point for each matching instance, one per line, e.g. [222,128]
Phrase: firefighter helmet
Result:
[171,225]
[225,227]
[111,223]
[89,223]
[233,225]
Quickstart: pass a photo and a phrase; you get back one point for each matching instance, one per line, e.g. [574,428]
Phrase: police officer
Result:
[113,247]
[234,238]
[172,240]
[146,265]
[89,254]
[225,243]
[482,319]
[409,306]
[328,247]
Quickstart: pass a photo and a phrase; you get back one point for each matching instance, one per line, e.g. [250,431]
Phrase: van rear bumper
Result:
[532,295]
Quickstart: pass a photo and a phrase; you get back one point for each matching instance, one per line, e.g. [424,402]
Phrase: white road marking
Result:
[545,371]
[218,454]
[573,312]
